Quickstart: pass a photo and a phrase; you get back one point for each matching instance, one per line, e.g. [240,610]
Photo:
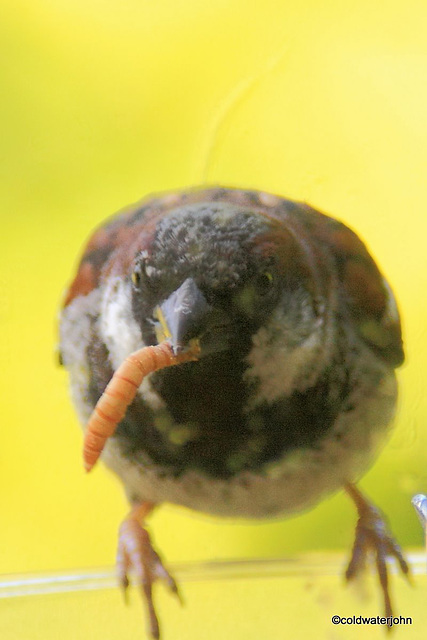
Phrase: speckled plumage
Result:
[295,388]
[296,368]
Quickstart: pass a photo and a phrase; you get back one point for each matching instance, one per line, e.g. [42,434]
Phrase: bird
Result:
[293,392]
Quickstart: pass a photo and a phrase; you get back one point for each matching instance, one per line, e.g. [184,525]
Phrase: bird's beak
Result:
[186,318]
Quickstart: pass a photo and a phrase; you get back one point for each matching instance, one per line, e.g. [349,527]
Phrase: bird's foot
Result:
[373,538]
[136,555]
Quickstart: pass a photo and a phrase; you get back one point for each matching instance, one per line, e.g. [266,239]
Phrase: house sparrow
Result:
[294,388]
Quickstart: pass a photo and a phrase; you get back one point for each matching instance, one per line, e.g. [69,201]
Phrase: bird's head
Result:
[225,276]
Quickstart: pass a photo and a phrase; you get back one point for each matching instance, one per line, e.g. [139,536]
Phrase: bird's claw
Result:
[136,555]
[372,538]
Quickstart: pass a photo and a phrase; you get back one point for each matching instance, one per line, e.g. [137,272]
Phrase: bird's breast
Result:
[206,421]
[297,477]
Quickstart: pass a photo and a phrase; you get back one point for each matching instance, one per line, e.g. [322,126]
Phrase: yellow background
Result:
[103,102]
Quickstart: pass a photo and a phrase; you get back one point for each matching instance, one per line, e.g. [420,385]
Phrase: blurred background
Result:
[105,102]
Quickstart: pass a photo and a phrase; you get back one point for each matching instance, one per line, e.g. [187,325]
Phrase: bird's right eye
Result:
[137,276]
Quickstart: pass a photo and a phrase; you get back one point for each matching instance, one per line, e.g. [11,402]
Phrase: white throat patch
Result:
[279,365]
[121,333]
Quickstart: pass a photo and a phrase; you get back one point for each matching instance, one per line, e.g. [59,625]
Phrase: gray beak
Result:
[186,316]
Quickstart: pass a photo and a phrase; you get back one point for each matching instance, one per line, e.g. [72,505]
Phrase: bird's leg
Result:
[373,537]
[136,554]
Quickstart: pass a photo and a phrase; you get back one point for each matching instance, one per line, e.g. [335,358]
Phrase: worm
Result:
[121,390]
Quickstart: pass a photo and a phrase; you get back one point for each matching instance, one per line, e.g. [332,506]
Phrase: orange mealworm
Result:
[121,390]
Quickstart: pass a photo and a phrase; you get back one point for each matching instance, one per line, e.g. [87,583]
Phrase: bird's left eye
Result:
[264,283]
[258,294]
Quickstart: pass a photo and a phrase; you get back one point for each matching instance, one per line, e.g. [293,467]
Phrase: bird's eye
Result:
[144,275]
[136,276]
[264,283]
[258,294]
